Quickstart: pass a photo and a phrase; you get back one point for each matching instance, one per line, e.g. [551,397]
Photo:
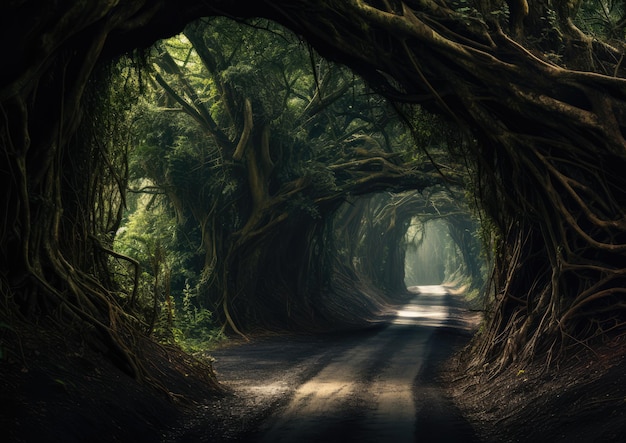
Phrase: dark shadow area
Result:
[438,420]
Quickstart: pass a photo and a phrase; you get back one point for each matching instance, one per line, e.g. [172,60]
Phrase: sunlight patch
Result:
[432,289]
[422,314]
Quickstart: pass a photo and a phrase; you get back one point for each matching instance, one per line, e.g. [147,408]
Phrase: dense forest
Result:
[176,170]
[257,180]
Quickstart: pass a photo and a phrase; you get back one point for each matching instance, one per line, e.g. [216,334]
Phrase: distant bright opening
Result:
[428,253]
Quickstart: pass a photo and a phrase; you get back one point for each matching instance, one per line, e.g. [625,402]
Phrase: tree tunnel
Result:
[252,167]
[539,104]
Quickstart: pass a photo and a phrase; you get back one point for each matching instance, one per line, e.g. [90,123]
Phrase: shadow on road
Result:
[437,419]
[378,385]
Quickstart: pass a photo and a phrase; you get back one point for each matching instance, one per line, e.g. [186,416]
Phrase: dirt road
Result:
[373,386]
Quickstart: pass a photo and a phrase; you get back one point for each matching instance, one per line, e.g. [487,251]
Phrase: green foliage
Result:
[603,18]
[185,323]
[196,324]
[151,235]
[314,114]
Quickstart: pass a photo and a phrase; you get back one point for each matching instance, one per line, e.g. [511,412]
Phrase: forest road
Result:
[373,386]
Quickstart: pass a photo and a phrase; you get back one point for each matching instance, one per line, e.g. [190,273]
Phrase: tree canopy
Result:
[257,142]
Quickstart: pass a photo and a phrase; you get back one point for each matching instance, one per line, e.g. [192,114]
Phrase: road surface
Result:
[374,386]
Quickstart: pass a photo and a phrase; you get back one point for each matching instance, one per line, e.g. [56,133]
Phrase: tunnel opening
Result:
[447,250]
[430,254]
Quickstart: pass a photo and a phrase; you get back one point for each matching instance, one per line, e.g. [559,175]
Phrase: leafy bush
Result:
[197,323]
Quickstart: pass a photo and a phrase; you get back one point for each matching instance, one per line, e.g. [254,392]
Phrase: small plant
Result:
[197,327]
